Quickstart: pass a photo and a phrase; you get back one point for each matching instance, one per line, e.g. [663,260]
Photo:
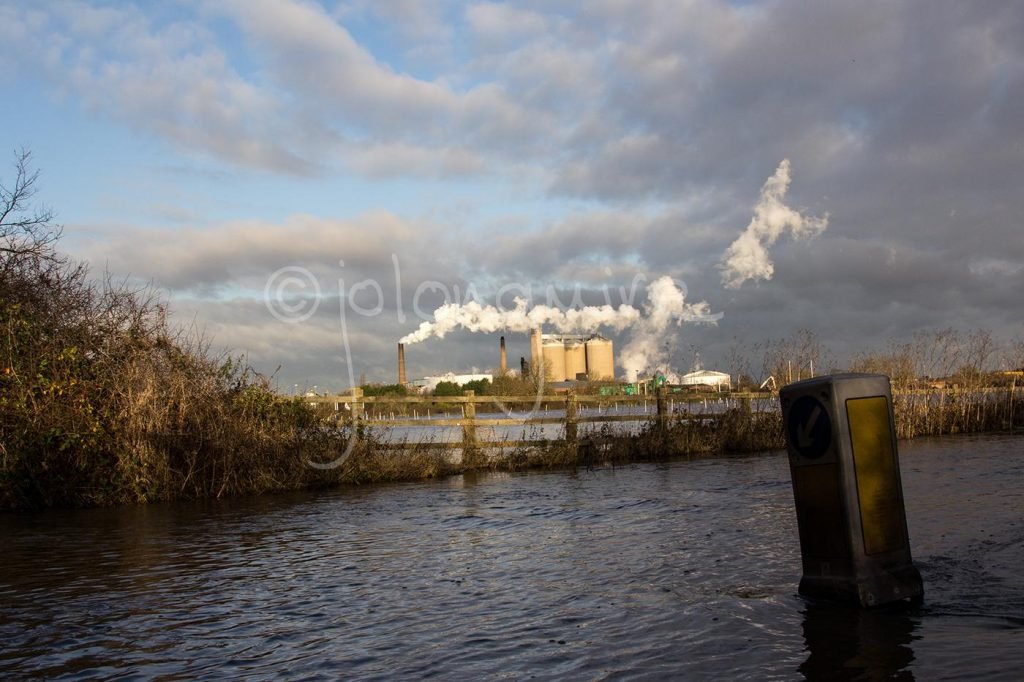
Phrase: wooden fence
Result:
[918,412]
[472,410]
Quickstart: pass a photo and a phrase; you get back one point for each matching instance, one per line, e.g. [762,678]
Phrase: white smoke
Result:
[488,319]
[747,257]
[666,304]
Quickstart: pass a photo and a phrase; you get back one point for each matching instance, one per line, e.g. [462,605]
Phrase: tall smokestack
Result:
[401,364]
[536,351]
[503,361]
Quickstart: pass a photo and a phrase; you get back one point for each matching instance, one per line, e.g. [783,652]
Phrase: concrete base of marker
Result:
[872,589]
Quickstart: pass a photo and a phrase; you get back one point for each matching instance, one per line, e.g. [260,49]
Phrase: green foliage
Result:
[480,386]
[447,389]
[371,390]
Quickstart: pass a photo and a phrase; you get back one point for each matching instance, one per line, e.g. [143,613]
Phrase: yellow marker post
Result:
[846,483]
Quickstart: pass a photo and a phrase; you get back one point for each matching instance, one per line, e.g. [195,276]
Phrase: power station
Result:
[571,357]
[563,357]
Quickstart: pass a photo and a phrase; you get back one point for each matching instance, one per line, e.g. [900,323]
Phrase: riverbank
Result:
[253,441]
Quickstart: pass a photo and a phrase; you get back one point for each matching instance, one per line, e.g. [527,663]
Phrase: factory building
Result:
[706,379]
[428,384]
[571,357]
[565,357]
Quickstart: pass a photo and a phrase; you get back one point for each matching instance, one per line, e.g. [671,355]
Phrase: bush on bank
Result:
[103,401]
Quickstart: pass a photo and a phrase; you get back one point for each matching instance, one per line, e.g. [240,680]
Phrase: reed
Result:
[369,462]
[652,442]
[954,411]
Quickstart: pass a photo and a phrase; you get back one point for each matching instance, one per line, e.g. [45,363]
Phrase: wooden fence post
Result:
[747,421]
[662,405]
[1013,391]
[470,451]
[357,410]
[571,429]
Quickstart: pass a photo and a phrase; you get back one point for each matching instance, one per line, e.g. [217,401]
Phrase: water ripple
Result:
[680,570]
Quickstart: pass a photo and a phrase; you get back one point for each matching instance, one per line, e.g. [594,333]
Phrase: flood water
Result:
[684,570]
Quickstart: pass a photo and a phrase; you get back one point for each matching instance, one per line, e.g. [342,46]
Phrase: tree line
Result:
[930,358]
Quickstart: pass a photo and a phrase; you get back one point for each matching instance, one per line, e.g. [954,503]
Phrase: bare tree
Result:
[33,274]
[938,352]
[1013,356]
[27,231]
[800,356]
[738,363]
[980,348]
[897,362]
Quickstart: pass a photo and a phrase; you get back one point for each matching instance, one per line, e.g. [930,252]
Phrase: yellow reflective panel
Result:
[881,514]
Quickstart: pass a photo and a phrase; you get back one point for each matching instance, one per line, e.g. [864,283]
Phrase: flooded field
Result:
[683,570]
[487,413]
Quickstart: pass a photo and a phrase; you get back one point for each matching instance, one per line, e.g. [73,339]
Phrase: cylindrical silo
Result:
[554,358]
[575,358]
[600,360]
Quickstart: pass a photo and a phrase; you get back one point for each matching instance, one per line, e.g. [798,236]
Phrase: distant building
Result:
[428,384]
[707,378]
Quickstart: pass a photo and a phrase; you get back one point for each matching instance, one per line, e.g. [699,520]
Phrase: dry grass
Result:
[952,411]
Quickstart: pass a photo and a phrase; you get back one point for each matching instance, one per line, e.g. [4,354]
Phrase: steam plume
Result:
[666,304]
[488,319]
[747,257]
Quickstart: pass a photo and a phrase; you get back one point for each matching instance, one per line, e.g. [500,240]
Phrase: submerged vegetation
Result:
[104,401]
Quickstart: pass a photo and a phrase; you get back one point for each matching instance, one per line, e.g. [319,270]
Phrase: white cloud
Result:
[243,254]
[317,58]
[398,159]
[501,22]
[747,257]
[168,80]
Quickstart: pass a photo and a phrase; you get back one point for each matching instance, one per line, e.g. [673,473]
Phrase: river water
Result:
[684,570]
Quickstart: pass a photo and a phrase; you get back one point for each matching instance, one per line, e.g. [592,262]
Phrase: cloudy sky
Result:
[308,181]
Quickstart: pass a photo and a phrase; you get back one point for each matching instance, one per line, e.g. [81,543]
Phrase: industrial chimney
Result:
[401,364]
[503,361]
[536,350]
